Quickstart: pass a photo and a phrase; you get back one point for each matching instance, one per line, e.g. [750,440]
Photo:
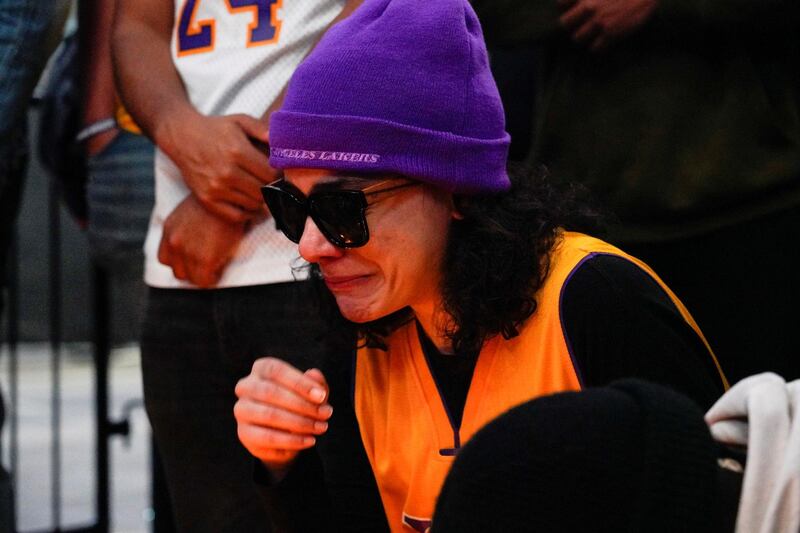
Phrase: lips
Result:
[341,283]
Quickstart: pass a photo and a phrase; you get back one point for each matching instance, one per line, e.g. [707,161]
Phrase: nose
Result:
[314,246]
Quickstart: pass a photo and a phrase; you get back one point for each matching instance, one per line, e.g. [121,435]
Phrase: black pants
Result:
[196,344]
[742,286]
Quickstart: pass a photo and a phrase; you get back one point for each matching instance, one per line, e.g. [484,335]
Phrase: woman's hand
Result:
[280,411]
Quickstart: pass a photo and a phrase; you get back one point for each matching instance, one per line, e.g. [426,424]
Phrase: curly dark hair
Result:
[497,258]
[498,255]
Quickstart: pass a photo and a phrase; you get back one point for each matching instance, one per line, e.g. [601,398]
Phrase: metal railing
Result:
[105,428]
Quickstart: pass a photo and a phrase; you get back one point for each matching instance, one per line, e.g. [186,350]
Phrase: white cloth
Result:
[235,75]
[762,412]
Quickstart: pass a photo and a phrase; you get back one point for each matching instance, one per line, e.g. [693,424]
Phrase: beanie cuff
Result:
[360,144]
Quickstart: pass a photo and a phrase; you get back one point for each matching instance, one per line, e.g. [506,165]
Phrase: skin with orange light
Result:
[281,409]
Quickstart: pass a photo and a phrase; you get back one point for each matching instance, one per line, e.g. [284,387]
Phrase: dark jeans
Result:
[742,287]
[120,199]
[196,344]
[22,25]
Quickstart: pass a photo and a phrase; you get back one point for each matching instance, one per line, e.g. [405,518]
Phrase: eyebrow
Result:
[343,181]
[336,183]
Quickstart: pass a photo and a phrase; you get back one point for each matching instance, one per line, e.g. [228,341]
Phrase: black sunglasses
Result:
[340,214]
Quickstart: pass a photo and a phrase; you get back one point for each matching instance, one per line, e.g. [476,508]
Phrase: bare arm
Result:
[594,23]
[147,80]
[347,10]
[598,23]
[202,259]
[216,155]
[99,101]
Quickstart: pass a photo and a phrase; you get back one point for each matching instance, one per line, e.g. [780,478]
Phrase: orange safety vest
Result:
[404,425]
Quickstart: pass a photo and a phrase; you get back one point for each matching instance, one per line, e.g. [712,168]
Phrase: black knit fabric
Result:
[628,457]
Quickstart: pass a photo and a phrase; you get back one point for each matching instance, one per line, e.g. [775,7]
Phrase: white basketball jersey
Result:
[235,56]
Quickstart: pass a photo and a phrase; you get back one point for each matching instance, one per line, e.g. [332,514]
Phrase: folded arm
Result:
[219,157]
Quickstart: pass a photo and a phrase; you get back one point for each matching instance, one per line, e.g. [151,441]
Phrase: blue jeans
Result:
[22,25]
[120,197]
[196,344]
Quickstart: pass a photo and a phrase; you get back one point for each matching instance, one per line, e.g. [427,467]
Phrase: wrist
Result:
[96,127]
[192,202]
[169,133]
[98,142]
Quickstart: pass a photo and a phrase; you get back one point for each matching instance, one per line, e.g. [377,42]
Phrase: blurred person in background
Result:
[23,26]
[119,192]
[684,119]
[119,186]
[200,78]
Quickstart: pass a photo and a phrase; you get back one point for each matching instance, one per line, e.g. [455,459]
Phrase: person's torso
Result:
[405,427]
[677,134]
[235,57]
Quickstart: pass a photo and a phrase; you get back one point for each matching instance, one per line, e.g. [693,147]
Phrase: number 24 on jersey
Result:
[195,36]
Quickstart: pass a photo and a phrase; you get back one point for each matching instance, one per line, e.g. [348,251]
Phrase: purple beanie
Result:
[401,86]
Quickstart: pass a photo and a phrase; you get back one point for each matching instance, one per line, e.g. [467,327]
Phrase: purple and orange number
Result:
[195,36]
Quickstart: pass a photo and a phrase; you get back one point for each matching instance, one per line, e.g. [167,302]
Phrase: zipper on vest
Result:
[447,452]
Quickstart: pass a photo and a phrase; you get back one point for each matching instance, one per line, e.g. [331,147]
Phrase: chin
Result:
[358,316]
[360,312]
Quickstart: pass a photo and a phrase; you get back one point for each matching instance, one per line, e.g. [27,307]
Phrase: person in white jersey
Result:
[200,77]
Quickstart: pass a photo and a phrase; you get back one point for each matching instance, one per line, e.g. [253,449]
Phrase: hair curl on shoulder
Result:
[498,254]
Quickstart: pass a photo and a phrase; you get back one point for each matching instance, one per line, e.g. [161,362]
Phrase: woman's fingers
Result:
[276,394]
[280,410]
[263,438]
[277,417]
[281,372]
